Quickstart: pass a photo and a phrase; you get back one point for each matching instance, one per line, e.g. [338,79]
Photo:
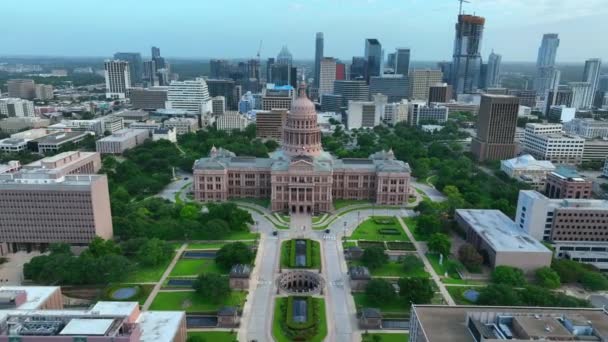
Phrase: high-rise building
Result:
[327,75]
[285,57]
[15,107]
[496,125]
[225,88]
[547,77]
[421,81]
[340,71]
[562,96]
[135,64]
[159,62]
[253,69]
[44,91]
[395,87]
[390,61]
[358,68]
[191,95]
[466,65]
[155,52]
[283,75]
[419,113]
[440,93]
[493,70]
[319,45]
[446,69]
[149,73]
[582,97]
[591,74]
[218,68]
[152,98]
[526,97]
[269,64]
[118,79]
[21,88]
[269,124]
[402,61]
[373,55]
[351,91]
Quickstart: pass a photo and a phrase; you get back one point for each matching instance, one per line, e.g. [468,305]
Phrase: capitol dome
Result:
[302,105]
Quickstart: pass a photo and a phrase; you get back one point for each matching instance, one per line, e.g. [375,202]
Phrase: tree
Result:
[547,278]
[212,286]
[498,294]
[374,257]
[508,275]
[216,229]
[594,281]
[60,248]
[569,271]
[412,263]
[469,257]
[428,224]
[379,291]
[440,243]
[154,252]
[416,290]
[100,247]
[233,254]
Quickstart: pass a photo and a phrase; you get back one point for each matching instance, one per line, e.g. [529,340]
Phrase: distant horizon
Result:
[262,59]
[189,28]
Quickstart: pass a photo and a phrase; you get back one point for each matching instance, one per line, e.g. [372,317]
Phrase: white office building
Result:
[164,134]
[561,113]
[118,79]
[420,113]
[528,170]
[231,121]
[182,125]
[191,95]
[582,96]
[13,107]
[587,128]
[555,147]
[396,112]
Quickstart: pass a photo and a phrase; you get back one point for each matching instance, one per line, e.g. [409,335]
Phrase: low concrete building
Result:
[500,241]
[164,134]
[68,163]
[359,277]
[370,318]
[121,141]
[528,170]
[11,145]
[239,277]
[53,142]
[269,124]
[182,125]
[11,166]
[442,323]
[229,121]
[15,124]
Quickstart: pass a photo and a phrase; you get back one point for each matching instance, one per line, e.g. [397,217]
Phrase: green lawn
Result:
[215,336]
[277,331]
[147,274]
[341,203]
[411,224]
[211,245]
[395,307]
[194,267]
[449,265]
[143,291]
[396,269]
[369,230]
[286,261]
[242,236]
[317,219]
[347,244]
[456,292]
[190,301]
[386,337]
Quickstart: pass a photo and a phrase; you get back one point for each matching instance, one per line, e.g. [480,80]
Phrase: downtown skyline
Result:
[513,29]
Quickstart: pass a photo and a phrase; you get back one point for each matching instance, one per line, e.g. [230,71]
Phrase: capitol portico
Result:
[301,177]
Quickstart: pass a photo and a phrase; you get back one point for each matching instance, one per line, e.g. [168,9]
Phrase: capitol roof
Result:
[527,162]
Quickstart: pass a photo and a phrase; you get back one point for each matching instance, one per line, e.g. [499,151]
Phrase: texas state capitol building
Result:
[301,177]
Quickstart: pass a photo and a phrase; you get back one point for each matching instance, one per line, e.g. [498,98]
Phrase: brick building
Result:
[568,183]
[301,177]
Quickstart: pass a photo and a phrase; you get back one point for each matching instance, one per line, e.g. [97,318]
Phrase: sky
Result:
[234,28]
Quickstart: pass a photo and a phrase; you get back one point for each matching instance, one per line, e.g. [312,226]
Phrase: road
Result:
[175,186]
[434,194]
[256,322]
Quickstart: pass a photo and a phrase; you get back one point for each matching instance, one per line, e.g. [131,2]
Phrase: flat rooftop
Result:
[448,323]
[36,295]
[125,133]
[160,326]
[60,137]
[568,203]
[86,326]
[499,231]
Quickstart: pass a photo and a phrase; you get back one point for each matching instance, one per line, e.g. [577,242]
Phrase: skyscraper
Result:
[285,57]
[192,95]
[582,97]
[149,73]
[592,74]
[319,45]
[373,54]
[496,125]
[135,64]
[402,61]
[218,68]
[493,70]
[466,65]
[420,82]
[547,77]
[159,62]
[269,65]
[155,52]
[358,68]
[327,76]
[21,88]
[118,79]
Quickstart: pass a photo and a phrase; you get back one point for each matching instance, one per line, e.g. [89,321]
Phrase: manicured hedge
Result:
[389,231]
[367,244]
[401,246]
[300,331]
[383,220]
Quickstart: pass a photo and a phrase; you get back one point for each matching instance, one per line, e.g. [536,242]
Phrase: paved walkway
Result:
[434,194]
[160,283]
[421,249]
[256,321]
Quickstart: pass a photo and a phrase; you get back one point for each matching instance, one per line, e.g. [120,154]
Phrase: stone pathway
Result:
[421,249]
[160,283]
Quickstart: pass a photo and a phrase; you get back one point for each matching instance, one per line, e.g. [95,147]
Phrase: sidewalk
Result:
[160,283]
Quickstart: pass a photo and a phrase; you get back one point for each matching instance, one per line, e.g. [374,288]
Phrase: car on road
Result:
[275,233]
[327,231]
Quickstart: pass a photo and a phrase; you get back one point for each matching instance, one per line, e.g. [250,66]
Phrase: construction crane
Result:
[461,1]
[259,50]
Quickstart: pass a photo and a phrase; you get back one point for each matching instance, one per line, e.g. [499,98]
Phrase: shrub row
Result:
[389,231]
[401,246]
